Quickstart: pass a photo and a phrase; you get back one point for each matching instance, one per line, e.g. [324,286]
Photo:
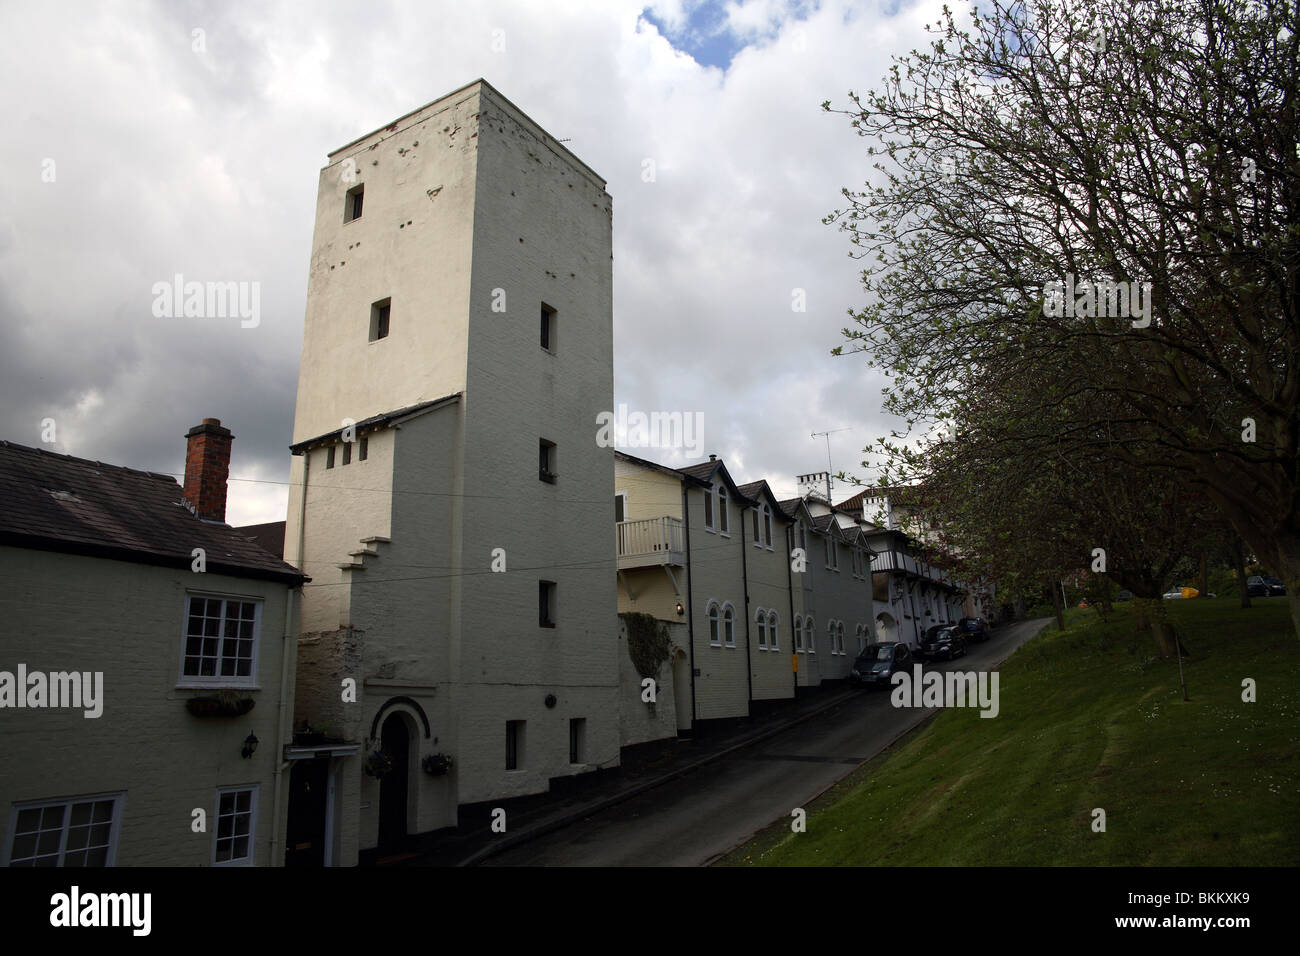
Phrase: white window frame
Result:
[115,824]
[839,637]
[251,860]
[760,616]
[623,495]
[710,511]
[198,681]
[721,515]
[767,527]
[729,625]
[810,633]
[798,633]
[758,541]
[773,622]
[713,612]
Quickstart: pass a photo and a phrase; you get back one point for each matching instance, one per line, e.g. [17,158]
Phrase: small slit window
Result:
[352,203]
[548,328]
[379,316]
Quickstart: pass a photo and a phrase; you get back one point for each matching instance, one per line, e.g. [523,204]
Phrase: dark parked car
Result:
[975,627]
[1264,587]
[1123,596]
[878,663]
[944,641]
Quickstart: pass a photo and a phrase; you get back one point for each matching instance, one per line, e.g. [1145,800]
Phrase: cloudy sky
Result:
[148,139]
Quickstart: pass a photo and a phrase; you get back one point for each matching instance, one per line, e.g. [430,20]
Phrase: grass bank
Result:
[1089,718]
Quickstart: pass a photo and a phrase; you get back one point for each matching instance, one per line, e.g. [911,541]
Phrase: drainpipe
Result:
[690,602]
[744,578]
[789,578]
[288,662]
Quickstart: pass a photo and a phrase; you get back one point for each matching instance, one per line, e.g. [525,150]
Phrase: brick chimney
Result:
[207,466]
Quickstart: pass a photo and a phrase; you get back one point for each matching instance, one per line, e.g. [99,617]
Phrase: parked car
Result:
[1256,587]
[879,662]
[1275,587]
[943,642]
[1123,596]
[975,627]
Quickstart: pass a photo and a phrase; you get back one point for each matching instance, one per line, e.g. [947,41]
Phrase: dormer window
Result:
[723,522]
[708,509]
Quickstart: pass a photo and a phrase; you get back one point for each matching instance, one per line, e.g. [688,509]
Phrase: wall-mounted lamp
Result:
[680,610]
[250,746]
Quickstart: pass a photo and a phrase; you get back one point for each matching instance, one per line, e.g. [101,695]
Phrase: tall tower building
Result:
[449,499]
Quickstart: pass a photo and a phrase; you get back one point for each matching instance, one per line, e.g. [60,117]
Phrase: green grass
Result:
[1089,718]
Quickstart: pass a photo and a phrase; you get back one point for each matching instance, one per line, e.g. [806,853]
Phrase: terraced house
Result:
[146,666]
[719,560]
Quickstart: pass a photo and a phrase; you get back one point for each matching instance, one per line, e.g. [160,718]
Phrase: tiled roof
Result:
[269,536]
[56,502]
[703,471]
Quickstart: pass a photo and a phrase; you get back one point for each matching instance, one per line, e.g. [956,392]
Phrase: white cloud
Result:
[206,164]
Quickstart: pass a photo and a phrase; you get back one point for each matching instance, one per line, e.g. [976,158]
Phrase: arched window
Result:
[798,633]
[839,636]
[772,621]
[714,635]
[728,625]
[723,521]
[767,527]
[810,634]
[830,635]
[761,618]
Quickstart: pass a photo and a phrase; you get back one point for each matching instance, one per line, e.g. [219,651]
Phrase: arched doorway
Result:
[395,741]
[886,628]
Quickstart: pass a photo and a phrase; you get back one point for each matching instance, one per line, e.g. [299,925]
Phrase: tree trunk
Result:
[1205,575]
[1058,603]
[1149,615]
[1239,564]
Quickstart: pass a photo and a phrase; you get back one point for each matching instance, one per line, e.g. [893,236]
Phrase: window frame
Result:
[760,617]
[713,612]
[709,510]
[202,682]
[354,204]
[548,339]
[798,633]
[773,623]
[577,740]
[724,521]
[251,859]
[381,319]
[729,625]
[515,731]
[115,825]
[548,593]
[547,461]
[767,527]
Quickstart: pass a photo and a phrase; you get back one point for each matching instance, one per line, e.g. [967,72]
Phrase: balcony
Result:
[650,542]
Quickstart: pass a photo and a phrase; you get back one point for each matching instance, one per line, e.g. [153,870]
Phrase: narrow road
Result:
[692,820]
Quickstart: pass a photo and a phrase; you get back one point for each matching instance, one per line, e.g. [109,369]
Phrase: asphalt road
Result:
[692,820]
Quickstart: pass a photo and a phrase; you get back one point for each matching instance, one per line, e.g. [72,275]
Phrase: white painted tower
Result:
[459,311]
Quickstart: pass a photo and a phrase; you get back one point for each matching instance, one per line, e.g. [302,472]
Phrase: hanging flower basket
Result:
[437,765]
[223,705]
[378,764]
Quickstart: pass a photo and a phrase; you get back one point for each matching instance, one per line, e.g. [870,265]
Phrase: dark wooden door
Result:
[396,743]
[305,832]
